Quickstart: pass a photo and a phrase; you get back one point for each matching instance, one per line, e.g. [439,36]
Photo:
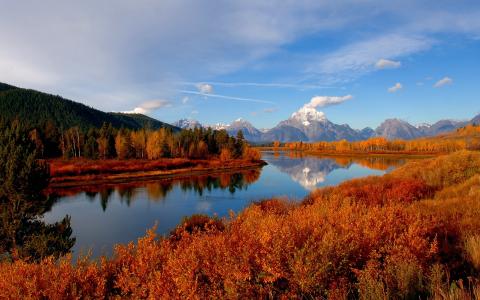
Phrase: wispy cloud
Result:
[362,57]
[443,82]
[270,110]
[398,86]
[150,106]
[387,64]
[257,84]
[226,97]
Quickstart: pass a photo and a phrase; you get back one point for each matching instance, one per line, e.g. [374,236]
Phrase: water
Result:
[102,216]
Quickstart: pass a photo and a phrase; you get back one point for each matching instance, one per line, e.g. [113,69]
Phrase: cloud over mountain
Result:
[323,101]
[149,106]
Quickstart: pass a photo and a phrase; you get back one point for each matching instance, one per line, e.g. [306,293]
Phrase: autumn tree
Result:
[123,144]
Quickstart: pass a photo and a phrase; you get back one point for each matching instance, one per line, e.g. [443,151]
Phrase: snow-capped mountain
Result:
[187,124]
[308,124]
[249,131]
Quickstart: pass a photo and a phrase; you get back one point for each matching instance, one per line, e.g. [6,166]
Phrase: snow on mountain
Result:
[188,124]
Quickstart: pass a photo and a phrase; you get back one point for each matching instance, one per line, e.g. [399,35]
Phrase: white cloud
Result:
[396,87]
[185,100]
[322,101]
[387,64]
[205,88]
[150,106]
[442,82]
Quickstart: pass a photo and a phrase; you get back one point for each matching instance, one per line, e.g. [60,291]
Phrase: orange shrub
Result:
[377,191]
[251,154]
[371,238]
[225,155]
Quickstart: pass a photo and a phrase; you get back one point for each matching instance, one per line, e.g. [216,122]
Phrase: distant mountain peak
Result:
[423,125]
[188,124]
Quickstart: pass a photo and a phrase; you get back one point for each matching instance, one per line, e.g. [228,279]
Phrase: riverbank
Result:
[72,173]
[412,154]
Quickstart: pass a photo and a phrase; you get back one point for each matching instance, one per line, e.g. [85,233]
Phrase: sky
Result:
[358,62]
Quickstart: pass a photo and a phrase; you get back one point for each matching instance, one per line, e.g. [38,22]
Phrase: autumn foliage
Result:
[466,138]
[413,233]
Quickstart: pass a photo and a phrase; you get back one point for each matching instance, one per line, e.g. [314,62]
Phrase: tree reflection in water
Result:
[159,189]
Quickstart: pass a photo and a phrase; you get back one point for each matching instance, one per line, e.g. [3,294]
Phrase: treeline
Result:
[380,144]
[108,142]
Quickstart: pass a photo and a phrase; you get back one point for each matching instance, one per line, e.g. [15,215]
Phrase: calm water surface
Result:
[102,216]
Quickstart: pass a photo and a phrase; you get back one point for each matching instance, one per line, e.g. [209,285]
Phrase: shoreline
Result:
[356,153]
[196,169]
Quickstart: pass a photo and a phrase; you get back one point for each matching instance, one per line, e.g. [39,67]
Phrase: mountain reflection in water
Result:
[311,171]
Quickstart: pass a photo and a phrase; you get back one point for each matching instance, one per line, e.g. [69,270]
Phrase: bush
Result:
[372,238]
[225,155]
[251,154]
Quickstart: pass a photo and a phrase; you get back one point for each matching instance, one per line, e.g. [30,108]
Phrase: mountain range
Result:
[310,125]
[306,124]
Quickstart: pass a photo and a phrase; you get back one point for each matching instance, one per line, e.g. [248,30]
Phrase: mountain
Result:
[187,124]
[284,133]
[441,126]
[366,133]
[5,87]
[137,121]
[310,125]
[476,120]
[38,108]
[249,132]
[398,129]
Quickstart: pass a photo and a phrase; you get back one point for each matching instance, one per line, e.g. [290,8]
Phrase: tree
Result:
[123,144]
[22,234]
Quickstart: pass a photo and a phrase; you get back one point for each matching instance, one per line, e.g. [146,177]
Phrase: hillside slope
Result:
[38,108]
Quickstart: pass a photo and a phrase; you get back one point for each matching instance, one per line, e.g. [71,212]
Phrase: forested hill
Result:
[38,108]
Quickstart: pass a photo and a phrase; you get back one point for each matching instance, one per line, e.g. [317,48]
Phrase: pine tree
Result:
[22,233]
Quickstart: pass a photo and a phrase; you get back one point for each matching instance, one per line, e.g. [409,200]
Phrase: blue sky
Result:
[216,61]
